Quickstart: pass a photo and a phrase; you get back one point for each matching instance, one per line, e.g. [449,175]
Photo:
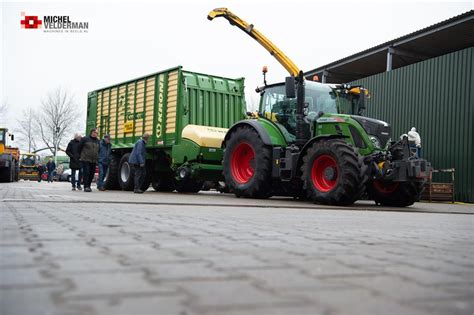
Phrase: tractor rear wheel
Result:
[125,173]
[333,173]
[111,178]
[394,194]
[247,164]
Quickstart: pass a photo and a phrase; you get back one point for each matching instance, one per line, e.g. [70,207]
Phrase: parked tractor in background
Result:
[9,158]
[29,166]
[310,140]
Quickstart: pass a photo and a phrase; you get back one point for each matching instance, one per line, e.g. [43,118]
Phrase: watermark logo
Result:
[54,23]
[30,21]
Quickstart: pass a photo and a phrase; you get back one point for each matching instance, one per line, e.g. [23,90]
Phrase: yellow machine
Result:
[233,19]
[9,158]
[284,60]
[29,166]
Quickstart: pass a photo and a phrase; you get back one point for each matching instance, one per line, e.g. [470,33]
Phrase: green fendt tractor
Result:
[310,140]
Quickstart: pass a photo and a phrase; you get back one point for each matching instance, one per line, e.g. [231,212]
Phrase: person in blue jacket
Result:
[137,160]
[105,155]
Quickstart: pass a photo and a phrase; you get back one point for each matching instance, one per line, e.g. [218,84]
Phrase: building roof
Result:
[438,39]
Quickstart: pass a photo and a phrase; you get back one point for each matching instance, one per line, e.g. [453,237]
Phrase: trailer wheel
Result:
[333,173]
[125,173]
[188,186]
[247,164]
[394,194]
[111,178]
[163,182]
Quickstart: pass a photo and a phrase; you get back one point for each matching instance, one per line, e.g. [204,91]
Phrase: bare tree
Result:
[57,118]
[28,128]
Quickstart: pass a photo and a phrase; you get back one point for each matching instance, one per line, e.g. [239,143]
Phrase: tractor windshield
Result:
[2,136]
[28,160]
[281,110]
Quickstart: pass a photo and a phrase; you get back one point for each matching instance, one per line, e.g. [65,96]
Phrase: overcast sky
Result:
[131,39]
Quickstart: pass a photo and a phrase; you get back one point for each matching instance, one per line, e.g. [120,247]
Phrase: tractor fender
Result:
[276,138]
[310,143]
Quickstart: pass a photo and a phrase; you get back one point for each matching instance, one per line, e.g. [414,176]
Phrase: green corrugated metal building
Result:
[423,80]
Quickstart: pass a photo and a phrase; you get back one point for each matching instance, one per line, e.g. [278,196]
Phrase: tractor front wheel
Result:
[333,173]
[247,164]
[394,194]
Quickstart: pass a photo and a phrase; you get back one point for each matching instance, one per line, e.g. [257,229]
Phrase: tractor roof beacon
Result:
[310,140]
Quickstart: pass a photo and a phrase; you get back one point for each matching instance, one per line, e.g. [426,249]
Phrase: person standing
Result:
[40,171]
[137,159]
[50,167]
[88,155]
[72,151]
[105,151]
[414,140]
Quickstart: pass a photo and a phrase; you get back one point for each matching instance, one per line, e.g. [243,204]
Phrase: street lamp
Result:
[56,146]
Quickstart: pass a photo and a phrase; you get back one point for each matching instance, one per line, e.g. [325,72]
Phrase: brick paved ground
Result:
[71,257]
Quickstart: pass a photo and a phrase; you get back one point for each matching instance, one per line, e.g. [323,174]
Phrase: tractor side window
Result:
[2,136]
[320,98]
[279,109]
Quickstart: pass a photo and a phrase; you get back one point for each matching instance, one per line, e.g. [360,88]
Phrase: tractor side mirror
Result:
[290,87]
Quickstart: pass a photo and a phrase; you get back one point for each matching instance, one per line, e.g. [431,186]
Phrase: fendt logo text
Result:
[53,24]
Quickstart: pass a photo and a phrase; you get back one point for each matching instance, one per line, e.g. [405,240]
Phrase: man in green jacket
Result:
[89,154]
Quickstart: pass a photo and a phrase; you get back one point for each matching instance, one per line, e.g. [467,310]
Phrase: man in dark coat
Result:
[137,159]
[72,151]
[50,167]
[105,151]
[88,155]
[41,170]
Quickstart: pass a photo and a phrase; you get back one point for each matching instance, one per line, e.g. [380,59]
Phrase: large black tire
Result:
[164,182]
[188,186]
[111,181]
[125,173]
[248,164]
[5,174]
[395,194]
[333,173]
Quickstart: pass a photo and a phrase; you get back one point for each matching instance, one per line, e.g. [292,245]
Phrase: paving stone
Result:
[31,301]
[398,288]
[454,306]
[147,304]
[327,268]
[24,278]
[238,261]
[230,294]
[426,276]
[285,279]
[184,271]
[358,301]
[87,286]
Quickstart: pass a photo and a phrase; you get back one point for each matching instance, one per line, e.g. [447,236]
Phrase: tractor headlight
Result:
[375,141]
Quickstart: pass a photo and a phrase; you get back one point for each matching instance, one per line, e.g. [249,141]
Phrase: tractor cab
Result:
[319,100]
